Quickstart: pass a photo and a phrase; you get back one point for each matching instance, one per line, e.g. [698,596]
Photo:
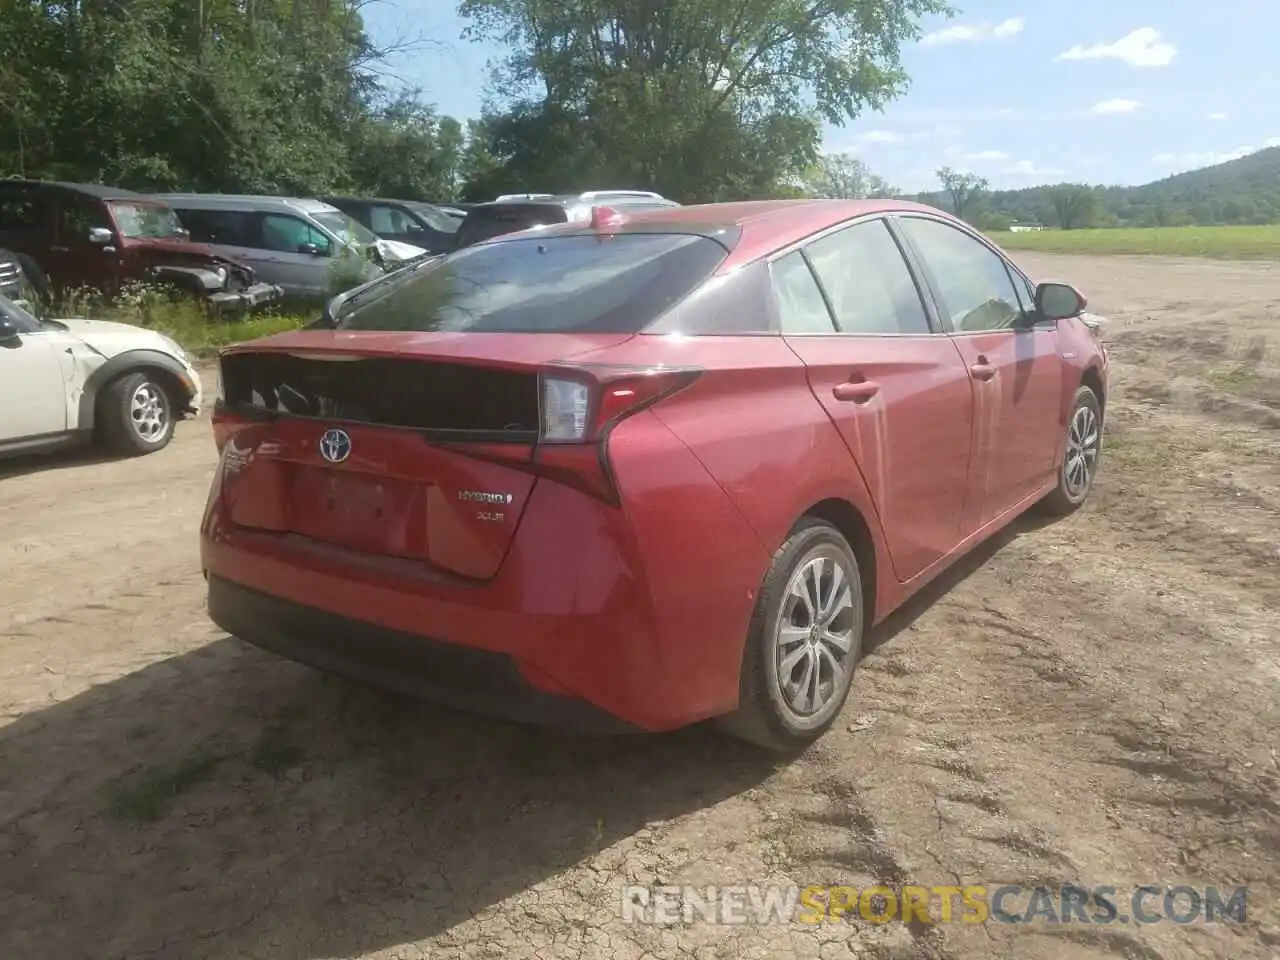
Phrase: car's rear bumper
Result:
[628,610]
[477,681]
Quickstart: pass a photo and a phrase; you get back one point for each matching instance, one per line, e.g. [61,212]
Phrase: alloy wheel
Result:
[814,636]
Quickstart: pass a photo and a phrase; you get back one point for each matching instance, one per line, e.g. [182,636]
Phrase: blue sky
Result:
[1104,91]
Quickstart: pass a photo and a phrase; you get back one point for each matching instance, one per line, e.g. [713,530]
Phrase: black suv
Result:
[424,225]
[514,212]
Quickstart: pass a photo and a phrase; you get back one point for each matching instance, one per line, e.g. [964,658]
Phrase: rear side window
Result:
[485,223]
[616,284]
[801,308]
[230,228]
[23,213]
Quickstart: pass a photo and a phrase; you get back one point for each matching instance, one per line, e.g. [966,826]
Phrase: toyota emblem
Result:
[335,445]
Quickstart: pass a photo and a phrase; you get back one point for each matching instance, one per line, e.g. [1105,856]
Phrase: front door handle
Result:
[982,370]
[855,391]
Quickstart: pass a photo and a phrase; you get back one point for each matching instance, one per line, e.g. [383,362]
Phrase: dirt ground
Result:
[1093,701]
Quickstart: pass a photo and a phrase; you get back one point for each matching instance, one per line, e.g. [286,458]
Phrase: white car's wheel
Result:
[135,415]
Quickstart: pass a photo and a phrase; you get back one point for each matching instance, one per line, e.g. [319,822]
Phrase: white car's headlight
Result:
[221,274]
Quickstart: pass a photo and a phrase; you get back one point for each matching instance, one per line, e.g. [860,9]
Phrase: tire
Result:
[134,415]
[767,715]
[1080,449]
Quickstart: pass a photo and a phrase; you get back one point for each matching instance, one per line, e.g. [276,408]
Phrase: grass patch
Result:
[1234,377]
[149,795]
[199,330]
[1227,243]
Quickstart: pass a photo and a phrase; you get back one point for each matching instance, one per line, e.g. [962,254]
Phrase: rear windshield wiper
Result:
[335,309]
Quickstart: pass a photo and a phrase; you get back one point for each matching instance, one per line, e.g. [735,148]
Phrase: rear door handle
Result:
[859,391]
[982,370]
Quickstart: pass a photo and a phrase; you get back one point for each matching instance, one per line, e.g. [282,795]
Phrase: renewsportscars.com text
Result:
[972,904]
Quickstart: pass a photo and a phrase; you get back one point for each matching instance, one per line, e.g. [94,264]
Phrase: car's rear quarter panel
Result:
[752,421]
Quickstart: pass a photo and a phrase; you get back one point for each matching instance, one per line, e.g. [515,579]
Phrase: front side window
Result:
[868,282]
[973,282]
[346,227]
[615,284]
[150,221]
[435,218]
[384,220]
[288,234]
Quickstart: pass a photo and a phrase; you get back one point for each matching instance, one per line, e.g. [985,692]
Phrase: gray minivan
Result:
[309,248]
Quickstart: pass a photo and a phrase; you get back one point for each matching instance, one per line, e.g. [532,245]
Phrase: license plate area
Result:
[364,512]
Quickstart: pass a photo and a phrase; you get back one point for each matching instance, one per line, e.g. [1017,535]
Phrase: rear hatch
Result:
[433,462]
[413,432]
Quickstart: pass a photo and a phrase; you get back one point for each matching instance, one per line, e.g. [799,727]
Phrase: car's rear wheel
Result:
[1083,448]
[135,415]
[803,643]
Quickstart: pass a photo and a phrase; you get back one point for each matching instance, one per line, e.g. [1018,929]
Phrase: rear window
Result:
[485,223]
[615,284]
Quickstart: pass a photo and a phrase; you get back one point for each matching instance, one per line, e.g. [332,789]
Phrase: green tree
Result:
[843,176]
[701,99]
[1075,205]
[964,190]
[245,95]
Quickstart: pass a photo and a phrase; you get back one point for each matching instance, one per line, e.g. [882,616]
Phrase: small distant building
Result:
[1016,227]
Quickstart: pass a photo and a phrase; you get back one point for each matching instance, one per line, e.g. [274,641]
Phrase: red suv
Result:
[71,235]
[646,470]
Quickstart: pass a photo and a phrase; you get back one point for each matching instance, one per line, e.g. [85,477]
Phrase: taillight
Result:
[584,403]
[581,406]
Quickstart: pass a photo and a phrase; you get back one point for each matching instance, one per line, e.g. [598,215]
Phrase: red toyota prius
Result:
[640,471]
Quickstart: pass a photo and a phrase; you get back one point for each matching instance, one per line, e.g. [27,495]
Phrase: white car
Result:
[64,382]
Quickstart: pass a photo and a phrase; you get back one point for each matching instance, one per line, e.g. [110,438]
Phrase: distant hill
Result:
[1246,190]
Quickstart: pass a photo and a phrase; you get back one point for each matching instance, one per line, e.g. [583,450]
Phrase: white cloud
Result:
[1114,106]
[1271,142]
[988,155]
[1206,158]
[880,136]
[1025,168]
[1216,116]
[1141,48]
[973,33]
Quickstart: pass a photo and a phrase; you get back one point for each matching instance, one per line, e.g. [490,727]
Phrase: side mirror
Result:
[100,235]
[312,249]
[8,330]
[1058,301]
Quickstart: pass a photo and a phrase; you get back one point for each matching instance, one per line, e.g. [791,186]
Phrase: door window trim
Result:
[931,280]
[933,317]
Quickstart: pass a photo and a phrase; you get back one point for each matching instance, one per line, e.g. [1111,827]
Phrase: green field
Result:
[1226,243]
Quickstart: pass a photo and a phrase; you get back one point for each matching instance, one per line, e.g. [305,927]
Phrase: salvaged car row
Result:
[242,252]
